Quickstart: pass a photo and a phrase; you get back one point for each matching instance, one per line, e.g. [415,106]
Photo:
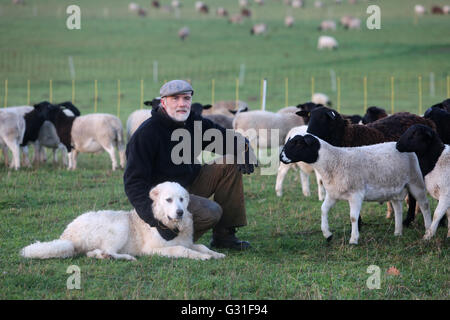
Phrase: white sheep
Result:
[135,120]
[12,130]
[419,10]
[305,170]
[370,173]
[225,107]
[297,3]
[289,21]
[267,129]
[96,132]
[183,33]
[446,9]
[327,42]
[327,25]
[259,29]
[321,98]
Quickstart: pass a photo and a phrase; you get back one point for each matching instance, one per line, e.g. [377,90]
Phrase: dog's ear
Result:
[154,193]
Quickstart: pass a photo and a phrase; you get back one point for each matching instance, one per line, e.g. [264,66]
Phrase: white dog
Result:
[123,234]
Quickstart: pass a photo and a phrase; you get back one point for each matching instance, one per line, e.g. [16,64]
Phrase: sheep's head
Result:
[41,109]
[373,114]
[305,110]
[328,125]
[301,148]
[435,112]
[418,138]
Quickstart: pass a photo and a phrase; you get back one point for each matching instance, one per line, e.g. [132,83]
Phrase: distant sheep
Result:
[235,19]
[183,33]
[353,23]
[437,10]
[201,7]
[327,42]
[136,118]
[305,170]
[222,12]
[297,4]
[327,25]
[225,107]
[434,161]
[246,12]
[373,114]
[318,4]
[289,21]
[259,29]
[446,9]
[321,98]
[419,10]
[359,174]
[175,4]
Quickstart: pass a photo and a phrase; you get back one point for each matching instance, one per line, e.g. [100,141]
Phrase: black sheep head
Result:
[42,109]
[373,114]
[305,110]
[418,138]
[327,124]
[155,103]
[300,148]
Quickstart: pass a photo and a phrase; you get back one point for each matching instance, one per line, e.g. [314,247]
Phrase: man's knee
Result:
[215,212]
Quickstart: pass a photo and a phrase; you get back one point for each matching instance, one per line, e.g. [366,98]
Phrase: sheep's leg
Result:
[25,158]
[64,154]
[282,171]
[37,153]
[320,188]
[122,156]
[411,208]
[55,156]
[355,208]
[304,177]
[420,194]
[397,205]
[73,159]
[15,149]
[327,204]
[441,209]
[112,155]
[389,210]
[5,154]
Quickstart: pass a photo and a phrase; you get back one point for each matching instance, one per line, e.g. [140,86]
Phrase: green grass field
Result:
[290,258]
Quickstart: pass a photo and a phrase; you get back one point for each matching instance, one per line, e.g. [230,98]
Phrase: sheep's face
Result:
[418,138]
[300,148]
[327,124]
[178,107]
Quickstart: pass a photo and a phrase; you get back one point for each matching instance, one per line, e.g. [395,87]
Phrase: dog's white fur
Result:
[123,234]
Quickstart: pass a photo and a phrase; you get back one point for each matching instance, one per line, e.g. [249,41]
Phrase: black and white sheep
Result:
[434,162]
[369,173]
[305,170]
[330,126]
[442,120]
[89,133]
[226,107]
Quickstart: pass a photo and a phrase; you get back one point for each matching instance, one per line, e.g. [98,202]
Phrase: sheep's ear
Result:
[148,103]
[331,114]
[309,139]
[206,107]
[154,193]
[428,112]
[303,113]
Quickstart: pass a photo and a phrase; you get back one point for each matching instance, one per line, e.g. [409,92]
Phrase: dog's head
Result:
[170,202]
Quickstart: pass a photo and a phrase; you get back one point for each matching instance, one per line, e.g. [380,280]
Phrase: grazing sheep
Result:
[259,29]
[133,7]
[246,12]
[201,7]
[12,130]
[441,119]
[297,3]
[434,161]
[327,42]
[330,126]
[305,170]
[89,133]
[183,33]
[373,114]
[318,4]
[259,2]
[222,12]
[235,19]
[258,126]
[437,10]
[370,173]
[176,4]
[155,4]
[243,3]
[446,9]
[327,25]
[289,21]
[419,10]
[354,23]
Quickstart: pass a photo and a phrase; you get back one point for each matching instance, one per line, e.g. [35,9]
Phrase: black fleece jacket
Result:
[149,160]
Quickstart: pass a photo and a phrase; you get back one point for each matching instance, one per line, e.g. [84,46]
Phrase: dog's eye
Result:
[181,199]
[169,200]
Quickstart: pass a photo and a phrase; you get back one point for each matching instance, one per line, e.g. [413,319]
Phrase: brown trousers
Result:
[224,181]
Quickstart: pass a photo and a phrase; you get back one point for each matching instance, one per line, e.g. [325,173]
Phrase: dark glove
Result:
[165,232]
[249,159]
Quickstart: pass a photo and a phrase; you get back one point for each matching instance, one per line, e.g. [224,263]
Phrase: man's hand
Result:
[165,232]
[249,159]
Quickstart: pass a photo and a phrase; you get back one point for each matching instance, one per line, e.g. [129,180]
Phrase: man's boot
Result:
[226,238]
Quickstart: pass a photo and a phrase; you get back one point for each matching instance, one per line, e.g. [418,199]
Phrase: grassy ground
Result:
[290,258]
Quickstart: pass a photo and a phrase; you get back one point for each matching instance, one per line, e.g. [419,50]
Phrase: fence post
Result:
[213,84]
[118,97]
[95,96]
[286,94]
[392,94]
[263,98]
[28,92]
[312,86]
[365,94]
[142,94]
[237,92]
[339,94]
[73,91]
[50,98]
[448,86]
[420,95]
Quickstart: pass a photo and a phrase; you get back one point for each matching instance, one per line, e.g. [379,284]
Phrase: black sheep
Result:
[442,120]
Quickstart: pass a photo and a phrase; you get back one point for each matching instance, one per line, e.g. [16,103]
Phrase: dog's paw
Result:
[217,255]
[203,256]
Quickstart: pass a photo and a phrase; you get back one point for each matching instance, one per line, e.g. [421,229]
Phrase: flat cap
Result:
[175,87]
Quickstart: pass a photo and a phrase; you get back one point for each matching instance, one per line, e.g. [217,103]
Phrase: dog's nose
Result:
[180,212]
